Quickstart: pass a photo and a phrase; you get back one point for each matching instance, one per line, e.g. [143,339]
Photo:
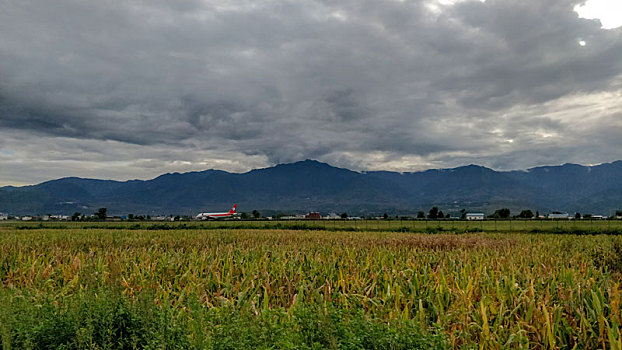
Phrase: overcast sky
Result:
[133,89]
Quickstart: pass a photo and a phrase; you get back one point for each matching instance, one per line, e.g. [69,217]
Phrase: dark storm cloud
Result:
[398,84]
[530,53]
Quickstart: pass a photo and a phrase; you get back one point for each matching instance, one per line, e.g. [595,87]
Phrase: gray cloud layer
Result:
[129,89]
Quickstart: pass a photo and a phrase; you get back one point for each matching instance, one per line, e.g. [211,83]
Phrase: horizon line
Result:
[310,160]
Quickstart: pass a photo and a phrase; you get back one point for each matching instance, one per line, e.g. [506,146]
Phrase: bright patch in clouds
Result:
[437,6]
[609,12]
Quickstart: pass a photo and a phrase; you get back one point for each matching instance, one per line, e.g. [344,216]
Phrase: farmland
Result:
[349,285]
[427,226]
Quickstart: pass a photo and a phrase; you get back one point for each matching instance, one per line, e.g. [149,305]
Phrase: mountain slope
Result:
[311,185]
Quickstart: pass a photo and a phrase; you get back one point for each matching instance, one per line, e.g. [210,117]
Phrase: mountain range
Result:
[314,186]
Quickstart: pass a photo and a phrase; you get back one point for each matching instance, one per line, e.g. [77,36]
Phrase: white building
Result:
[475,216]
[293,217]
[559,216]
[4,216]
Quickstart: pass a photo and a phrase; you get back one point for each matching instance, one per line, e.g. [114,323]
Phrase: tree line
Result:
[434,214]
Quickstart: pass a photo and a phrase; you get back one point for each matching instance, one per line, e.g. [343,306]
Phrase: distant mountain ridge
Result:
[314,186]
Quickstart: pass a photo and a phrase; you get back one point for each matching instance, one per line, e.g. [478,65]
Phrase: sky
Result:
[136,88]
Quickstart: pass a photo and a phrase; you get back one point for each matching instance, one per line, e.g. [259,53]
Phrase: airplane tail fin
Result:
[232,211]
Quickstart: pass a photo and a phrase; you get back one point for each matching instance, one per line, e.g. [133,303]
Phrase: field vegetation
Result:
[394,225]
[134,287]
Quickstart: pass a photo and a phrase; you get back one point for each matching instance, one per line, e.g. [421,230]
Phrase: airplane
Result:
[214,216]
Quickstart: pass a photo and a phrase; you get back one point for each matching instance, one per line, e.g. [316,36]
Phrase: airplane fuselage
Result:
[214,216]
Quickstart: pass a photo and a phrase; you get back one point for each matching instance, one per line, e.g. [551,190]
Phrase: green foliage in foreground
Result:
[107,288]
[111,321]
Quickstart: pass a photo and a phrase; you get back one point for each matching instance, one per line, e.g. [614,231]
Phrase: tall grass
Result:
[108,320]
[613,227]
[491,290]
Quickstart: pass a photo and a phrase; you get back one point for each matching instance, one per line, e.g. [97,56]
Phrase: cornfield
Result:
[473,290]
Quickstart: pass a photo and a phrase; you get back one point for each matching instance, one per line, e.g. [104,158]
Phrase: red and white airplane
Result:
[207,216]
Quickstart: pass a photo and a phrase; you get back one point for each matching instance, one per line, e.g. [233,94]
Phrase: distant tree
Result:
[526,214]
[440,215]
[618,212]
[130,216]
[256,214]
[502,213]
[447,216]
[463,214]
[587,216]
[101,213]
[537,214]
[344,215]
[433,213]
[76,216]
[420,214]
[577,215]
[244,216]
[385,216]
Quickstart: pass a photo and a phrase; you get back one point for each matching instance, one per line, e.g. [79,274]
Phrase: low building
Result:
[314,215]
[4,216]
[475,216]
[558,216]
[292,217]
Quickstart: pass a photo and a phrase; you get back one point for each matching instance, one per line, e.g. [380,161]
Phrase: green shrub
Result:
[107,320]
